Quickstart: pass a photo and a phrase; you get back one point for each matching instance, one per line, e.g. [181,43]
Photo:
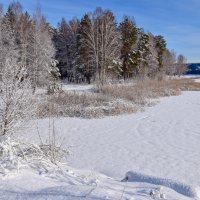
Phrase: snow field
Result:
[162,141]
[156,148]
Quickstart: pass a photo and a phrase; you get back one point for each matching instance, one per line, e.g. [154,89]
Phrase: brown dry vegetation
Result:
[185,84]
[91,105]
[113,99]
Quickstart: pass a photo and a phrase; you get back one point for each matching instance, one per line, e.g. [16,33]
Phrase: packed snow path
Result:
[162,141]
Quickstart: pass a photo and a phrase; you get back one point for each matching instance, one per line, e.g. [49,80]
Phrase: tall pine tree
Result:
[129,36]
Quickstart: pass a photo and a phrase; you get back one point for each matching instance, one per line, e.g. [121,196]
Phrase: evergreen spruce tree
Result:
[54,86]
[8,47]
[129,36]
[84,51]
[66,42]
[143,54]
[152,57]
[24,38]
[72,43]
[60,42]
[161,48]
[13,13]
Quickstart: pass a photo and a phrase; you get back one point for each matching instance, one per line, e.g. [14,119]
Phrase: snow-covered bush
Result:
[52,147]
[16,154]
[8,160]
[54,86]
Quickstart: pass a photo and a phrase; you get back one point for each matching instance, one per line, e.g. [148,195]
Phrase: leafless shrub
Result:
[16,154]
[52,147]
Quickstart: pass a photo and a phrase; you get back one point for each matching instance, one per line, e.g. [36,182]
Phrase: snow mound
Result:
[179,187]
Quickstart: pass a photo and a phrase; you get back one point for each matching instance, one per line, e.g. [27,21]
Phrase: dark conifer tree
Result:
[144,52]
[129,36]
[161,47]
[84,52]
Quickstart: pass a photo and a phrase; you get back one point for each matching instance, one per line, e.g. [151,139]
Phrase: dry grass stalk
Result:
[113,99]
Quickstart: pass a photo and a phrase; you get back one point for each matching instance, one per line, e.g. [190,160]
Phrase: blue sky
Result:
[177,20]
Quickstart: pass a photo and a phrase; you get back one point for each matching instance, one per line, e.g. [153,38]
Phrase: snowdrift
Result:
[179,187]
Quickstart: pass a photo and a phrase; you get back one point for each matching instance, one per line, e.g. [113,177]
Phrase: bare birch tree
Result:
[181,67]
[42,51]
[169,61]
[15,98]
[110,44]
[15,95]
[101,39]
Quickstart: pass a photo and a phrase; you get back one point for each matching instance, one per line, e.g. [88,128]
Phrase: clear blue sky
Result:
[177,20]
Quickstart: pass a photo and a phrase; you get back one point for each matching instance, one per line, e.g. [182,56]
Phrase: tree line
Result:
[94,48]
[97,47]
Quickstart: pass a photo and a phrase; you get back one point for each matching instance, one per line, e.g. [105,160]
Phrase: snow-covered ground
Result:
[77,87]
[157,147]
[83,186]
